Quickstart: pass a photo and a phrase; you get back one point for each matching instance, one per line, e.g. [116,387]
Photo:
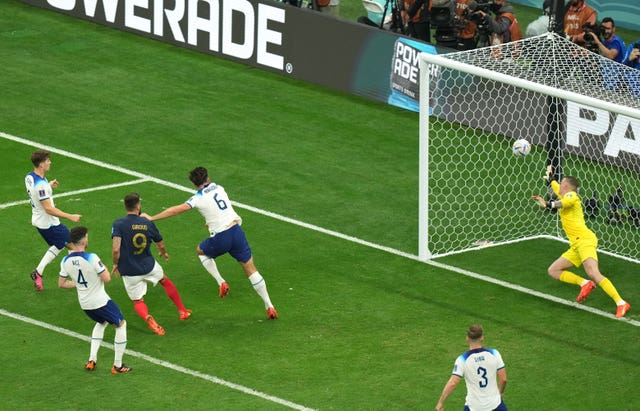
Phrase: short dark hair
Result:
[39,156]
[131,201]
[198,176]
[608,20]
[475,332]
[78,233]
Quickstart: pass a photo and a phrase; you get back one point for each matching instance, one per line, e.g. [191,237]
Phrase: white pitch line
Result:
[85,190]
[159,362]
[332,233]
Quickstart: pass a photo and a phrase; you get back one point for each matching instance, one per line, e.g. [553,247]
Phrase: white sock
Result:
[96,339]
[260,285]
[210,265]
[120,343]
[49,256]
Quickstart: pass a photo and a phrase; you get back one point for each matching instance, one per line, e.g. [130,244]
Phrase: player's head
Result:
[40,156]
[569,183]
[132,202]
[475,333]
[78,235]
[198,176]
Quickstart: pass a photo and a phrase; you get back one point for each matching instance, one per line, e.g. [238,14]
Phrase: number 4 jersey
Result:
[84,268]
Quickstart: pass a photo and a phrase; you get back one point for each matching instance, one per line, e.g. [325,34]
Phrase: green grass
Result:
[360,328]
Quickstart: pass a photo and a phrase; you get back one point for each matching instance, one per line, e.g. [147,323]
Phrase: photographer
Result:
[612,46]
[504,28]
[577,15]
[632,56]
[415,14]
[467,29]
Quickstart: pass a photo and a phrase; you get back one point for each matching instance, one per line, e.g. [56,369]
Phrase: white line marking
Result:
[329,232]
[85,190]
[159,362]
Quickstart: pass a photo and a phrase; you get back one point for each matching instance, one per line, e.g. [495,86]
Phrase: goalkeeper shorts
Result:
[581,250]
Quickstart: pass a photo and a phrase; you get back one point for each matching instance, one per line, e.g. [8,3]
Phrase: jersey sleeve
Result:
[458,367]
[570,199]
[154,233]
[115,230]
[96,263]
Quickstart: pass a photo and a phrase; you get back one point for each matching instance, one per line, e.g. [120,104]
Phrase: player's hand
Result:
[53,183]
[164,255]
[541,201]
[547,174]
[75,217]
[115,271]
[145,215]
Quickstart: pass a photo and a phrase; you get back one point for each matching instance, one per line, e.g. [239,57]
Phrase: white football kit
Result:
[479,367]
[84,268]
[38,189]
[214,205]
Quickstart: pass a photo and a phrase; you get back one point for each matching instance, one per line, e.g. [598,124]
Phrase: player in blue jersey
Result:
[483,372]
[132,237]
[85,272]
[44,214]
[225,234]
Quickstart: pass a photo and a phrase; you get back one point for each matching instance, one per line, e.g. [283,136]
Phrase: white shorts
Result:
[136,286]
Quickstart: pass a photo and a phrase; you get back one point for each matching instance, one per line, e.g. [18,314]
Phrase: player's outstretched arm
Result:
[169,212]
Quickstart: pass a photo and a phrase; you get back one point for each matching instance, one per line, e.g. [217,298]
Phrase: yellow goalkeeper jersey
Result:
[572,216]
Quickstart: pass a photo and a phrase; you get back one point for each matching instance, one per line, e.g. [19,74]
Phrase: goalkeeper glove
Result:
[547,174]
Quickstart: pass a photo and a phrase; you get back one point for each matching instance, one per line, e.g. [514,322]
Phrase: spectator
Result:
[578,14]
[612,46]
[415,14]
[329,6]
[504,28]
[632,59]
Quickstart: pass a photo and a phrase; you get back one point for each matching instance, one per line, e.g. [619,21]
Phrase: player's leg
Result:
[136,289]
[119,346]
[169,288]
[593,271]
[57,237]
[96,339]
[260,286]
[559,270]
[206,250]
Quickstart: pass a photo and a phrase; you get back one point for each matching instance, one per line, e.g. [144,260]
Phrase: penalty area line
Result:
[162,363]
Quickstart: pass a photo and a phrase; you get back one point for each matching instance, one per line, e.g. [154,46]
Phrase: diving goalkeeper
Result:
[582,244]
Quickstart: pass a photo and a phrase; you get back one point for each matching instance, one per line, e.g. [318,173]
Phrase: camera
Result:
[590,31]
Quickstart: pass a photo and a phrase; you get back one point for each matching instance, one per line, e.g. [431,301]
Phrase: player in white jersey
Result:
[85,272]
[44,214]
[483,372]
[225,234]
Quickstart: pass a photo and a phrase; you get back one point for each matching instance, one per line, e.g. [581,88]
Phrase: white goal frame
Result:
[429,64]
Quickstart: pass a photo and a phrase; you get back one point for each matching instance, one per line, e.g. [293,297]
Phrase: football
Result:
[521,148]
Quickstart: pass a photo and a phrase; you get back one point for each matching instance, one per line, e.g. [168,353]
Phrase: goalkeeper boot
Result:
[272,314]
[185,314]
[90,366]
[154,326]
[120,370]
[224,289]
[622,310]
[37,280]
[585,291]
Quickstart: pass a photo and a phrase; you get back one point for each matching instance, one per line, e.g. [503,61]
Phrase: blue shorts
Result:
[232,241]
[58,235]
[110,313]
[501,407]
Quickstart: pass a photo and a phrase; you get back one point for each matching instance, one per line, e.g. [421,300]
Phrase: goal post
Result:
[580,111]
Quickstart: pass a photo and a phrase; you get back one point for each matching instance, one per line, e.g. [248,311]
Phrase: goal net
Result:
[580,112]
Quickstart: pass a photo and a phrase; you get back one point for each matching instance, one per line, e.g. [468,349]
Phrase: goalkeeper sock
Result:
[141,308]
[571,278]
[611,291]
[210,265]
[173,293]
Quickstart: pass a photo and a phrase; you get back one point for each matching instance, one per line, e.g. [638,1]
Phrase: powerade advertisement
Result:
[295,42]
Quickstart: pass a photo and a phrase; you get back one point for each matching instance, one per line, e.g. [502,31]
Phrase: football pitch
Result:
[327,187]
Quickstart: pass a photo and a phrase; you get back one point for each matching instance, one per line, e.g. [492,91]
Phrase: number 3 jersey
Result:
[478,367]
[84,268]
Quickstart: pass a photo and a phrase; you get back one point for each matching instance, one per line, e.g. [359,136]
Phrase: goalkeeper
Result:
[582,244]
